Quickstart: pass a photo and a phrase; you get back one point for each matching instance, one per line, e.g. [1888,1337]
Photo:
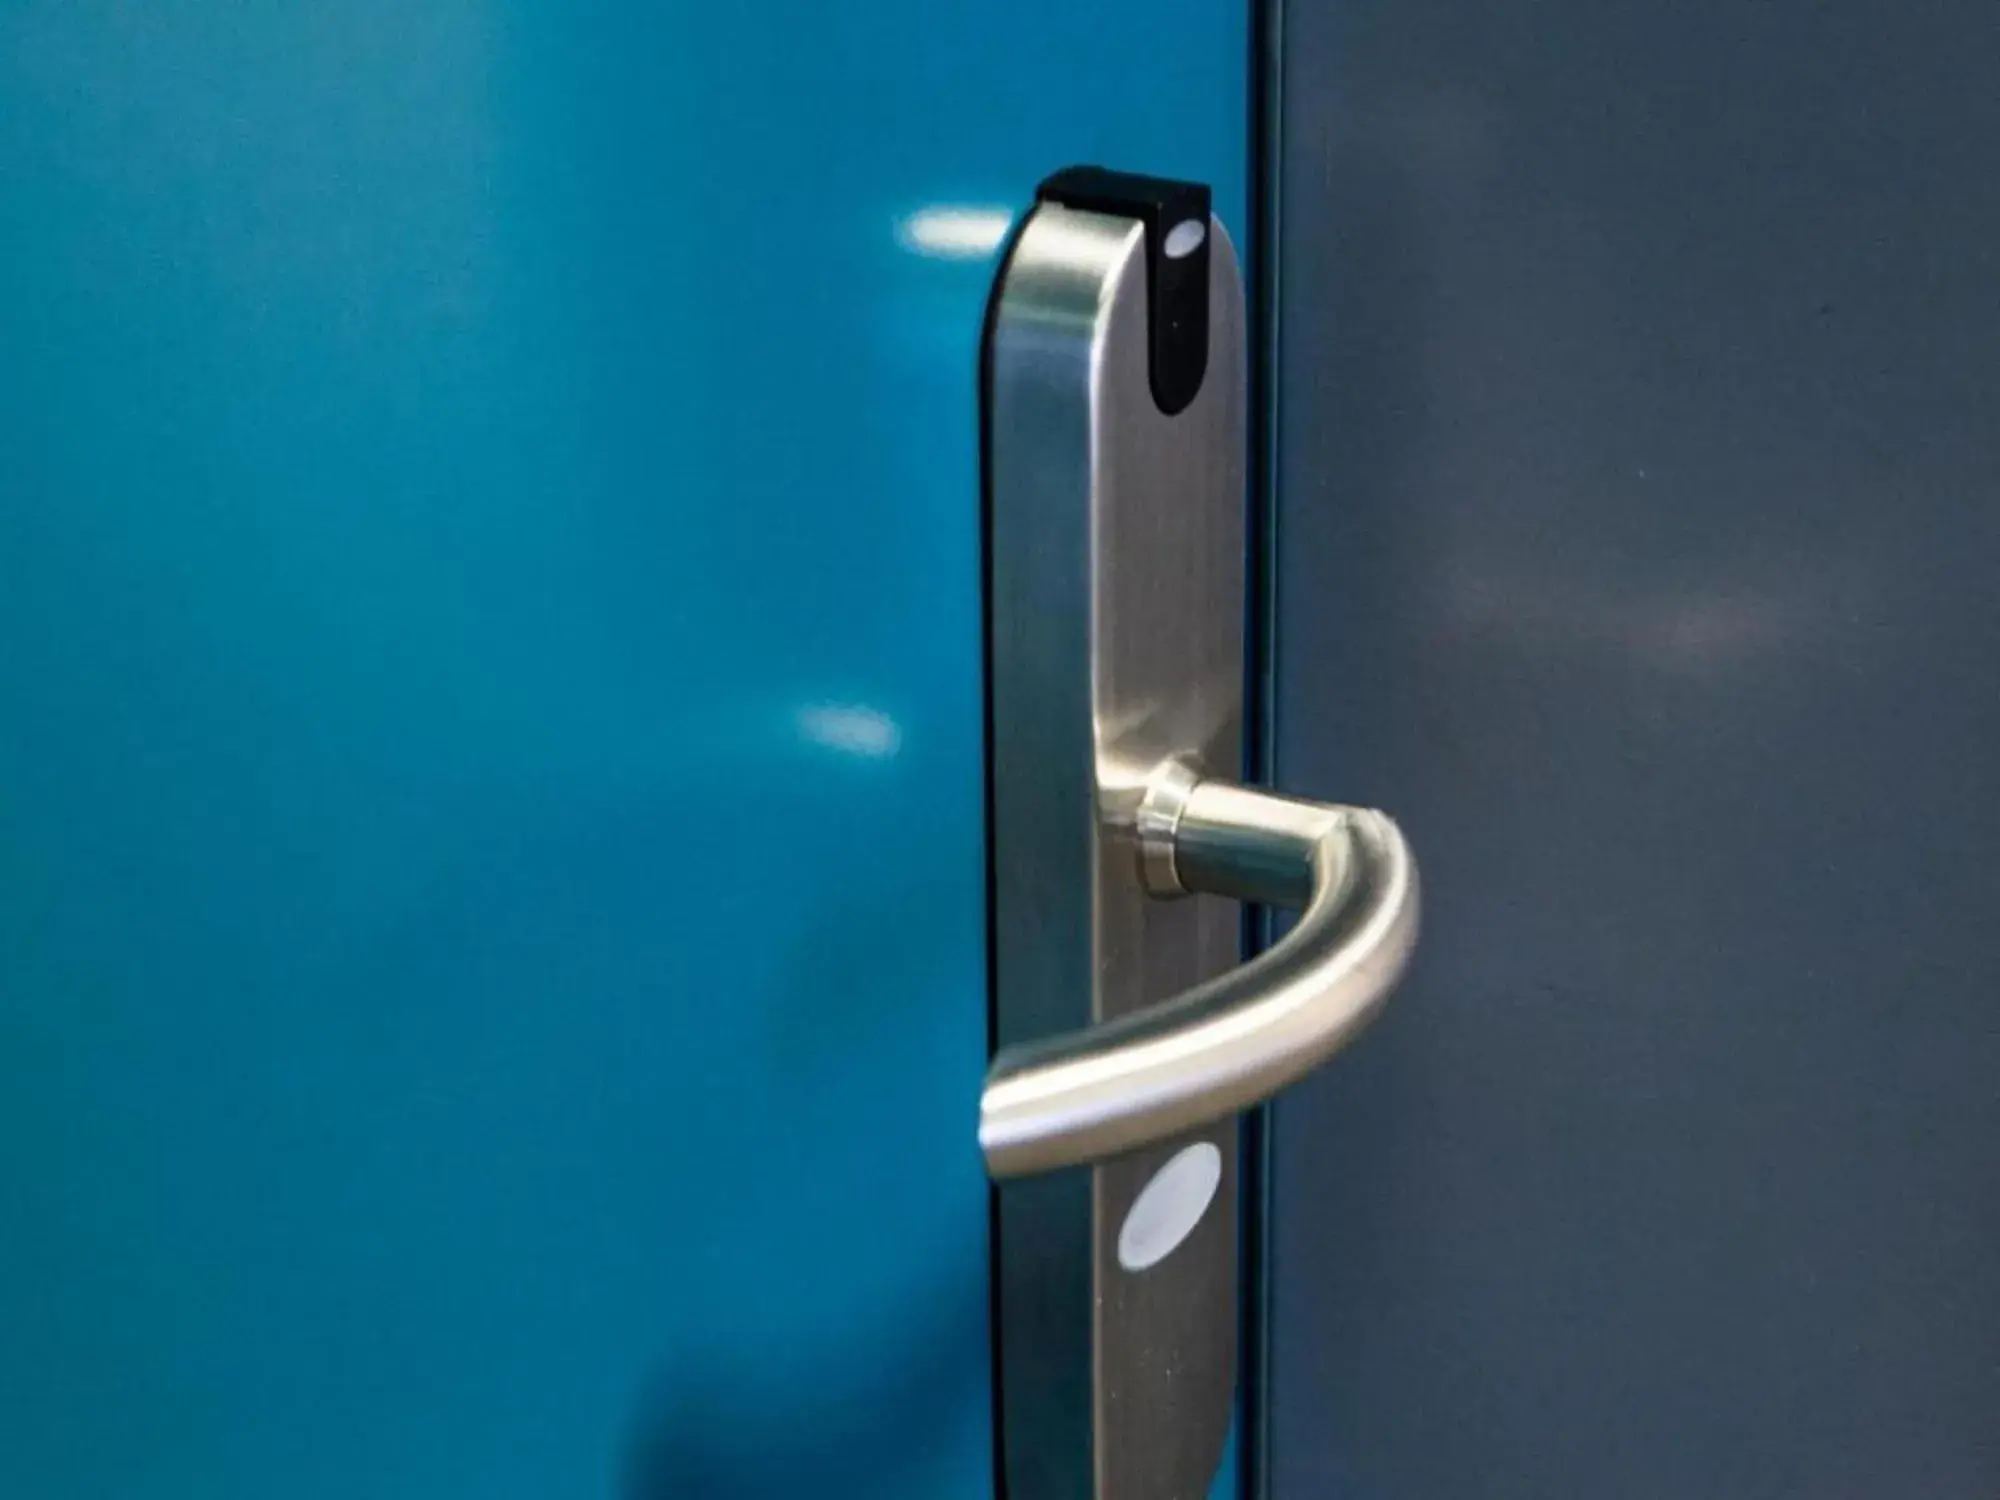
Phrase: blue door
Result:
[492,978]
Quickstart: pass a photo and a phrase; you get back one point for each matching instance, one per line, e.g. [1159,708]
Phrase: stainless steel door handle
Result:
[1128,1032]
[1234,1040]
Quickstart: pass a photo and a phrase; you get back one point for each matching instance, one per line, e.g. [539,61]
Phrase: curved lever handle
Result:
[1235,1040]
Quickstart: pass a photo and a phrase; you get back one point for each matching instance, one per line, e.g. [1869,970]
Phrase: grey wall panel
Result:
[1639,509]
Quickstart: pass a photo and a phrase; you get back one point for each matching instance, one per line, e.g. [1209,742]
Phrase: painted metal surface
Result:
[1637,545]
[433,440]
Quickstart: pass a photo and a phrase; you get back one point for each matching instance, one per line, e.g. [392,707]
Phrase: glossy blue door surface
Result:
[491,911]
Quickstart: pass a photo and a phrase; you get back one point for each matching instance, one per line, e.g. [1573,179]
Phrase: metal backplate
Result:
[1116,557]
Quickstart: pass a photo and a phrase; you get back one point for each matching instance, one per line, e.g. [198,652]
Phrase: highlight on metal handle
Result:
[1237,1039]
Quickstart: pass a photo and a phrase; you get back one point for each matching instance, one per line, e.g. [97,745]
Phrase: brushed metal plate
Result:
[1115,593]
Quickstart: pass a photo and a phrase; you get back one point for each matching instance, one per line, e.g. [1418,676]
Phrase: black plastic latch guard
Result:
[1175,215]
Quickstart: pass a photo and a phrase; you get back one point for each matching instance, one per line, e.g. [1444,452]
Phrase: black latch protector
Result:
[1177,233]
